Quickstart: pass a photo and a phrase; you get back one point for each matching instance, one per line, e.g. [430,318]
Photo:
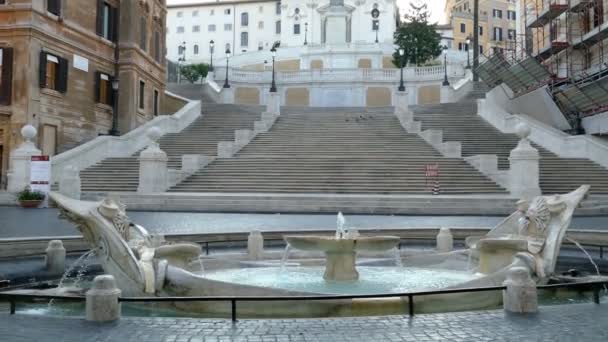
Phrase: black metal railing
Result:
[14,298]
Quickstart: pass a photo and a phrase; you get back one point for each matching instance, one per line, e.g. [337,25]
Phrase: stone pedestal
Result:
[242,137]
[255,245]
[273,103]
[260,127]
[225,149]
[401,104]
[521,294]
[55,257]
[524,167]
[445,95]
[153,174]
[227,95]
[445,240]
[102,300]
[340,266]
[20,161]
[69,182]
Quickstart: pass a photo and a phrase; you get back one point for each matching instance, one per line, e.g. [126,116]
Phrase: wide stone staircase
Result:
[460,122]
[217,123]
[337,151]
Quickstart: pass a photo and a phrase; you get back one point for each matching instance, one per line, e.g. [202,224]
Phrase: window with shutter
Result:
[157,46]
[53,6]
[6,76]
[103,88]
[142,93]
[106,20]
[143,33]
[53,72]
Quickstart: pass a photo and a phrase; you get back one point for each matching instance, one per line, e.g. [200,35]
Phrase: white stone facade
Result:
[252,25]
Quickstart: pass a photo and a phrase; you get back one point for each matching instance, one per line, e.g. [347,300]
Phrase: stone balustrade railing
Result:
[339,75]
[104,147]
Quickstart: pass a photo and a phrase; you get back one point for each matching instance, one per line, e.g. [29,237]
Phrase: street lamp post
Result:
[305,33]
[401,54]
[114,130]
[273,86]
[179,60]
[226,85]
[211,44]
[445,66]
[468,58]
[375,15]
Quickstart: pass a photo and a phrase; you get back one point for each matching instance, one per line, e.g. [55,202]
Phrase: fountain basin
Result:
[341,253]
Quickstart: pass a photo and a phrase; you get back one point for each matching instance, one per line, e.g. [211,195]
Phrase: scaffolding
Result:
[562,47]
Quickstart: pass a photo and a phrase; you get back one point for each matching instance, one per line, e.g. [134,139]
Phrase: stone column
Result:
[69,182]
[227,95]
[273,103]
[102,300]
[521,294]
[255,245]
[401,104]
[524,166]
[445,94]
[55,257]
[153,174]
[20,160]
[445,241]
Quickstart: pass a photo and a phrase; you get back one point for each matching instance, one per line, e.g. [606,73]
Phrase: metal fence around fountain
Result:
[14,298]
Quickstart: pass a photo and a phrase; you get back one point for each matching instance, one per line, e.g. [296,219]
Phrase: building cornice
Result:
[215,3]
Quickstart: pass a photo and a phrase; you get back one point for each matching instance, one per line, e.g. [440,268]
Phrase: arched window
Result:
[196,49]
[244,19]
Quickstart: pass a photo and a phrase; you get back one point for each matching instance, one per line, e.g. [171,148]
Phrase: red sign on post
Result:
[40,174]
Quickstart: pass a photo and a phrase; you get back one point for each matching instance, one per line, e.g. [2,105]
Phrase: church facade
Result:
[245,26]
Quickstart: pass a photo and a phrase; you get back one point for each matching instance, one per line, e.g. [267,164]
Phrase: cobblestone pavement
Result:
[574,322]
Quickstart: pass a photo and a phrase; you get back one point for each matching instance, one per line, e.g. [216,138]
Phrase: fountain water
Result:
[81,263]
[285,256]
[340,231]
[397,256]
[200,262]
[597,269]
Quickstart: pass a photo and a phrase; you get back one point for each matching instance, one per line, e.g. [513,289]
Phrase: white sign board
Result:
[40,174]
[81,63]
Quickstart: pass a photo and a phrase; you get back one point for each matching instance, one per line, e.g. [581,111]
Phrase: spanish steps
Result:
[217,123]
[337,151]
[460,122]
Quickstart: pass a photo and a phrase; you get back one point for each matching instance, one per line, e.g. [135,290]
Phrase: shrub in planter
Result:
[30,199]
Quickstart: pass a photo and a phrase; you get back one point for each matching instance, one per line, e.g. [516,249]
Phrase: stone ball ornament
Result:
[154,133]
[523,130]
[29,132]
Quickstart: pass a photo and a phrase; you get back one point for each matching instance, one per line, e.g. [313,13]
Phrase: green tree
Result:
[417,37]
[194,72]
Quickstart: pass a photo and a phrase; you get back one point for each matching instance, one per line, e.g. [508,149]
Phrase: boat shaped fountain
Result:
[531,237]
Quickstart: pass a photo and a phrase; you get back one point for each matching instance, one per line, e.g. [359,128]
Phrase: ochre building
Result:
[58,61]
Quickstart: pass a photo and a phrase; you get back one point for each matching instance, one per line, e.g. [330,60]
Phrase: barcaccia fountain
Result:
[531,237]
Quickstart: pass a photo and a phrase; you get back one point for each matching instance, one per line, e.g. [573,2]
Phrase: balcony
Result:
[548,13]
[552,49]
[578,6]
[592,37]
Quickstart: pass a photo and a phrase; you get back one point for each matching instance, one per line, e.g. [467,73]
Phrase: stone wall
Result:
[297,97]
[247,95]
[429,94]
[378,96]
[172,104]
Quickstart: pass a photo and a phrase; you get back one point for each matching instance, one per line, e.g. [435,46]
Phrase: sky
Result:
[436,7]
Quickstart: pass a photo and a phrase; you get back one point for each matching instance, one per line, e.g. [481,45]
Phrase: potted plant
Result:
[30,199]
